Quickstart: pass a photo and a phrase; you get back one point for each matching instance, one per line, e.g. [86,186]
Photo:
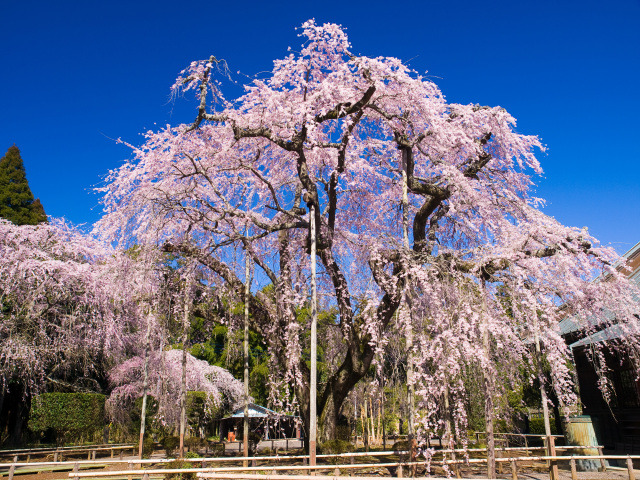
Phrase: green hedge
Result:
[67,413]
[536,426]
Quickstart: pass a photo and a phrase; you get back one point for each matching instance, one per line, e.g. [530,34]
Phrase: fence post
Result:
[574,472]
[11,470]
[603,463]
[553,464]
[514,470]
[632,475]
[76,467]
[400,473]
[336,472]
[55,455]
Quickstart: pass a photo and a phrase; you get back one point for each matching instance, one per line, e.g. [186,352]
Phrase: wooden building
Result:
[266,423]
[617,421]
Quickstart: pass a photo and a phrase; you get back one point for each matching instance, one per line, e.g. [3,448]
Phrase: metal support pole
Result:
[247,292]
[313,421]
[183,384]
[145,386]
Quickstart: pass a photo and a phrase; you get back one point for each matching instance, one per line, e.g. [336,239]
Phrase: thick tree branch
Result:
[343,109]
[259,311]
[333,181]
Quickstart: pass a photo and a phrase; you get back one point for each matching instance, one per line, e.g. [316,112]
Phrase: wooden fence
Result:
[59,452]
[250,473]
[515,457]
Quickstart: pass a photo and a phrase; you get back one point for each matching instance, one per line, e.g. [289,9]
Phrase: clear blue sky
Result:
[78,74]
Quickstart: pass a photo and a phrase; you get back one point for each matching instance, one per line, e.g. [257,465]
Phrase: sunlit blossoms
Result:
[222,390]
[64,318]
[486,272]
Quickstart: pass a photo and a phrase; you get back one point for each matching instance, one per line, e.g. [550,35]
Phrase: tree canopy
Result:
[16,200]
[485,269]
[219,386]
[66,308]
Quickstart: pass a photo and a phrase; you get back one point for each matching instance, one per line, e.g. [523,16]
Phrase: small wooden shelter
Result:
[268,424]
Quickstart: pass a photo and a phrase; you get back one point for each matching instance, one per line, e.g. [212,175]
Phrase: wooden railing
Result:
[250,473]
[59,452]
[136,468]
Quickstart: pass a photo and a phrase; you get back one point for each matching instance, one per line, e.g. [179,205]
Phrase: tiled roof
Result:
[569,325]
[256,411]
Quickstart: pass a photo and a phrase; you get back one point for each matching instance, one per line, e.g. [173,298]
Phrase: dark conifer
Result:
[16,200]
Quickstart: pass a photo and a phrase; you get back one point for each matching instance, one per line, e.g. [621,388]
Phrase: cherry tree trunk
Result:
[488,394]
[449,430]
[488,412]
[329,406]
[407,298]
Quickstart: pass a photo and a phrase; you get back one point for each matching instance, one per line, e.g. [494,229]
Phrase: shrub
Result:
[216,449]
[343,432]
[67,414]
[199,415]
[148,447]
[254,440]
[194,443]
[336,446]
[131,421]
[402,446]
[170,443]
[176,464]
[536,426]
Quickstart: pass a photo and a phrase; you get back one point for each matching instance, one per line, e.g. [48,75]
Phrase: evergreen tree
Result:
[16,200]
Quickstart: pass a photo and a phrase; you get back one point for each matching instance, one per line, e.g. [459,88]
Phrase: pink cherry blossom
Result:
[335,130]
